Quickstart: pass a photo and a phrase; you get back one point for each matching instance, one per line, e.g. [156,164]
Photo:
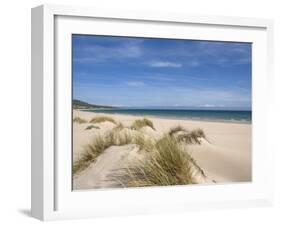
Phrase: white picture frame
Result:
[52,196]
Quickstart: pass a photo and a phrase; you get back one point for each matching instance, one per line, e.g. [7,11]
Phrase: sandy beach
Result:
[224,156]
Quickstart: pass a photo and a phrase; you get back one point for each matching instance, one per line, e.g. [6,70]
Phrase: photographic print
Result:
[160,112]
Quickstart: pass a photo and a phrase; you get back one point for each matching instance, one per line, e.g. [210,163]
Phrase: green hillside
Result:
[78,104]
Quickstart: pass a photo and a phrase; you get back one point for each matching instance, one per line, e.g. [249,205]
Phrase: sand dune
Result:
[105,170]
[225,155]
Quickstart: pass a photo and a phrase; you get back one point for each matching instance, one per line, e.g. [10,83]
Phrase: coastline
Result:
[226,157]
[198,119]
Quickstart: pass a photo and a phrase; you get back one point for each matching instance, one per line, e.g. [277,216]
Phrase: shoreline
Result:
[169,118]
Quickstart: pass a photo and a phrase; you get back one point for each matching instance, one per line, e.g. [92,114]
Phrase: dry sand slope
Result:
[225,155]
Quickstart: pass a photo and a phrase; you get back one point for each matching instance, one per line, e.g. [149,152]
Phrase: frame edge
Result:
[39,37]
[37,162]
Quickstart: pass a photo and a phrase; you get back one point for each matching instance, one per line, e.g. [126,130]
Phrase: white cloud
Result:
[160,77]
[99,53]
[208,106]
[164,64]
[212,106]
[193,63]
[135,83]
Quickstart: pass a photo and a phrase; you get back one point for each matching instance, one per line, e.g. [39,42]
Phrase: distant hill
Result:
[78,104]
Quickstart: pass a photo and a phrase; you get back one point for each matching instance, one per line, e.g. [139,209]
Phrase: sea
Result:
[198,115]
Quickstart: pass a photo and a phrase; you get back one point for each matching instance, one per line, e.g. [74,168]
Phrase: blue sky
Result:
[141,72]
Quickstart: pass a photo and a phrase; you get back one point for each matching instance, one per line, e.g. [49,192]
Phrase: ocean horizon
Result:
[238,116]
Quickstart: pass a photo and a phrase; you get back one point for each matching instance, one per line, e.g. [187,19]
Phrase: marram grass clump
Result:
[168,164]
[119,126]
[145,144]
[177,129]
[98,146]
[79,120]
[199,133]
[92,151]
[188,137]
[193,137]
[119,138]
[140,123]
[99,119]
[92,127]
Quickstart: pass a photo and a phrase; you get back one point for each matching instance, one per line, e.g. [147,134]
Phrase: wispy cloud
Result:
[160,77]
[193,63]
[135,83]
[208,105]
[95,53]
[211,106]
[164,64]
[152,72]
[224,53]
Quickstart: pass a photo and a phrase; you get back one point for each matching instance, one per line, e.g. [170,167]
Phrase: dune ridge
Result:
[222,154]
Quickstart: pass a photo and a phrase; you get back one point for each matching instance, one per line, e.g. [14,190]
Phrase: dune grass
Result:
[92,127]
[98,146]
[188,137]
[99,119]
[192,137]
[140,123]
[79,120]
[143,143]
[119,126]
[177,129]
[168,164]
[101,143]
[92,151]
[119,138]
[199,132]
